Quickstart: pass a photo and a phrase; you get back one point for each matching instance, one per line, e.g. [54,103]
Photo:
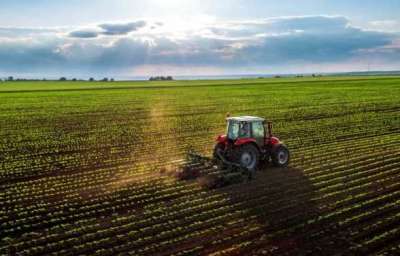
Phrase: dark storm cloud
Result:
[269,42]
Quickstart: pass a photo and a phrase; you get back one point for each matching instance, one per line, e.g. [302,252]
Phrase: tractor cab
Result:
[246,127]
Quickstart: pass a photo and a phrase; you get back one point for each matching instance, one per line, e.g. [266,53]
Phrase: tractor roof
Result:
[245,118]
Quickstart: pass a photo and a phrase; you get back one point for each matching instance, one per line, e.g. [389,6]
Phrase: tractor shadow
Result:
[277,201]
[274,213]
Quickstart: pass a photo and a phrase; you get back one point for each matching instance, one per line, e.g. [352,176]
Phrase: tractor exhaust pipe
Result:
[269,128]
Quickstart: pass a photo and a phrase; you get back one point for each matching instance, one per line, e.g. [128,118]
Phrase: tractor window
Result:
[258,130]
[244,130]
[233,130]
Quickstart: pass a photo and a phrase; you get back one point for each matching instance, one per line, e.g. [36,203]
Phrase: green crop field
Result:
[87,167]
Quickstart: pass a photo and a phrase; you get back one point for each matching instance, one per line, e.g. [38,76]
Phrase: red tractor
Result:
[249,142]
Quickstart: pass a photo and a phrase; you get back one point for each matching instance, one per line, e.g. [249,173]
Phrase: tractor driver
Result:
[245,130]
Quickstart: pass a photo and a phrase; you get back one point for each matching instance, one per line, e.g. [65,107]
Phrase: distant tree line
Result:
[11,78]
[161,78]
[153,78]
[105,79]
[288,76]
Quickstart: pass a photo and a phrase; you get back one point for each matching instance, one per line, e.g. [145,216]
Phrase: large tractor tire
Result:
[280,156]
[249,157]
[219,147]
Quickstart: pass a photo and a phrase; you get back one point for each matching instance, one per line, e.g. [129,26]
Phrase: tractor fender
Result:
[221,138]
[272,146]
[275,146]
[273,141]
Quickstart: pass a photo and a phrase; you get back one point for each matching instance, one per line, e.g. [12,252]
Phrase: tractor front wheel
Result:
[280,156]
[249,157]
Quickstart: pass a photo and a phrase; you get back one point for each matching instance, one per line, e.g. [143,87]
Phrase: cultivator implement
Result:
[211,172]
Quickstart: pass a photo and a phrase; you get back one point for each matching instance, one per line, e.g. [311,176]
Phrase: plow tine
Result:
[195,157]
[196,165]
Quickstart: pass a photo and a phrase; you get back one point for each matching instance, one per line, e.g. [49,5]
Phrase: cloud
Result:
[268,44]
[108,29]
[84,34]
[14,32]
[121,28]
[28,55]
[385,25]
[313,45]
[324,24]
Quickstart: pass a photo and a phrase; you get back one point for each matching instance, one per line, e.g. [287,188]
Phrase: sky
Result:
[126,38]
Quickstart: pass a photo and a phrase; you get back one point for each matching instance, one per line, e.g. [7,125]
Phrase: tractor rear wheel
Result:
[280,156]
[219,148]
[249,157]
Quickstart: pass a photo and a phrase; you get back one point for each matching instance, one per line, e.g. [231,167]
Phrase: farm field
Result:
[86,168]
